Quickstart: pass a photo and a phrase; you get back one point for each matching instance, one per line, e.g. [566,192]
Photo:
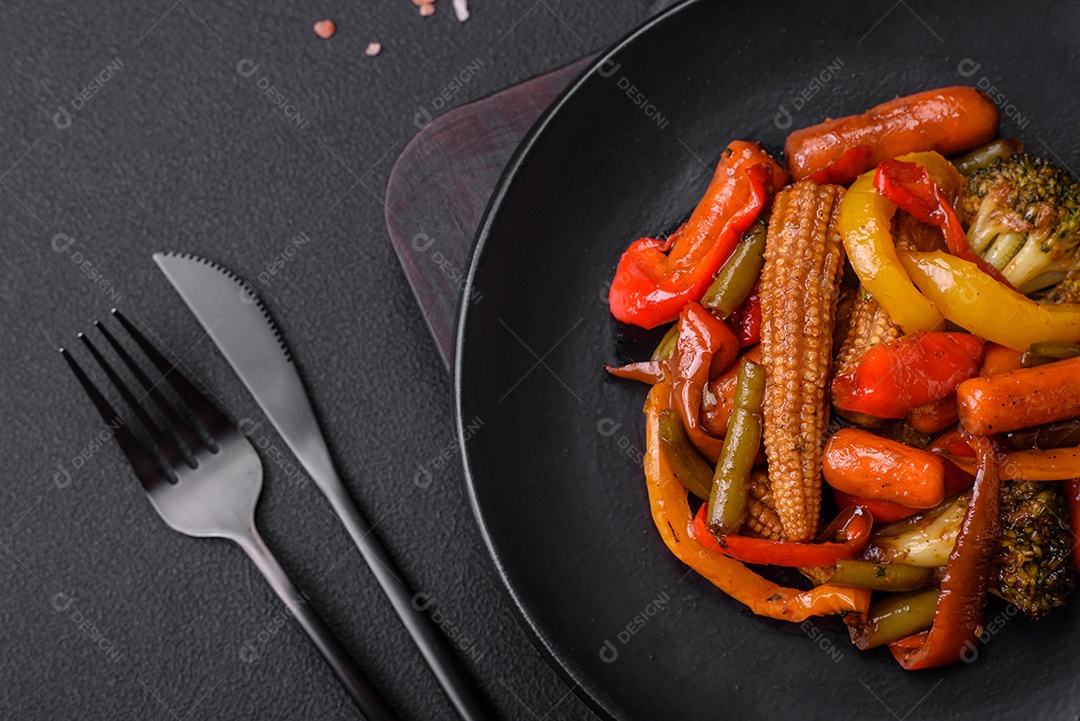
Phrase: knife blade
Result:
[239,324]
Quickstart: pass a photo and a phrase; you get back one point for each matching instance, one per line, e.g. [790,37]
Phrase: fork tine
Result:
[144,464]
[215,422]
[179,424]
[164,444]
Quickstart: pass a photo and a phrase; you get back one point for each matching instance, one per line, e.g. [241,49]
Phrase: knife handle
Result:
[444,663]
[368,699]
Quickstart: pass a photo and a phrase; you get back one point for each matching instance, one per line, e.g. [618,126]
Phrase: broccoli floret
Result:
[1023,216]
[1033,566]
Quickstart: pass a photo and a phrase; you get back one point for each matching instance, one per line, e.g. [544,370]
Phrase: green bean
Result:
[730,483]
[985,156]
[1038,354]
[689,467]
[897,617]
[739,273]
[880,576]
[666,346]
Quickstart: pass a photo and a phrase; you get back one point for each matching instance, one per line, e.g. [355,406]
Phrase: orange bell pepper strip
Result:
[960,607]
[671,514]
[655,279]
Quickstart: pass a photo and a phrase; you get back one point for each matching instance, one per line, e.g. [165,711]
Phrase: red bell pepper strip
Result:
[705,347]
[882,511]
[952,445]
[849,165]
[894,378]
[656,279]
[852,527]
[960,608]
[651,372]
[952,442]
[910,187]
[747,319]
[1072,496]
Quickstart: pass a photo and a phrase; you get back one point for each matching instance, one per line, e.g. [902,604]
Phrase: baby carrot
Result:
[869,466]
[999,359]
[948,120]
[1020,398]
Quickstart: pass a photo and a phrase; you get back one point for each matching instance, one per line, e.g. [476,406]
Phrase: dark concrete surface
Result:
[229,130]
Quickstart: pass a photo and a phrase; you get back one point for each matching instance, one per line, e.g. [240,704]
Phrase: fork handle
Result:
[444,663]
[371,703]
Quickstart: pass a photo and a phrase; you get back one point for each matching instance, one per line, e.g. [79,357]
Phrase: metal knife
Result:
[236,320]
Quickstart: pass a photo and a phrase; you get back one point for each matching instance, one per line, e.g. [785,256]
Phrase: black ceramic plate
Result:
[553,447]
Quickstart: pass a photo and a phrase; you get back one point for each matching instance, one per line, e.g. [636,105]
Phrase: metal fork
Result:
[206,482]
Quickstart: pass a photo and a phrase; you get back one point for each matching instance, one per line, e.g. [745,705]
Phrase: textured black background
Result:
[177,150]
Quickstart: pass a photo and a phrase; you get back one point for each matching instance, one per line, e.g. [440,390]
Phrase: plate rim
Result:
[510,172]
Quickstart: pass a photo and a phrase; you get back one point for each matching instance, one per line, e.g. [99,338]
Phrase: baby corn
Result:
[761,519]
[799,283]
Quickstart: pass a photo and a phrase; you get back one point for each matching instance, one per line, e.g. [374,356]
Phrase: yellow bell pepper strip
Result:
[978,303]
[865,224]
[909,186]
[656,278]
[671,514]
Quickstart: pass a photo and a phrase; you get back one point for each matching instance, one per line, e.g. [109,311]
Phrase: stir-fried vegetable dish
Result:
[871,374]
